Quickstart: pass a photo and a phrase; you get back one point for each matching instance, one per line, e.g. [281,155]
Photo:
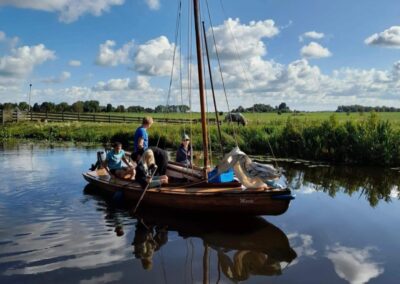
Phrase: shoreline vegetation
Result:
[365,140]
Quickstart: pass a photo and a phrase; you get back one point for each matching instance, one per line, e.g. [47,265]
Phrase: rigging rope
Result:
[220,71]
[177,28]
[190,28]
[250,85]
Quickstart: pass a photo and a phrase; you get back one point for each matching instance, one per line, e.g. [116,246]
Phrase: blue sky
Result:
[311,54]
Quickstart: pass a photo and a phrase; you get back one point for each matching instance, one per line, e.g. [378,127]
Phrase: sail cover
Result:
[250,174]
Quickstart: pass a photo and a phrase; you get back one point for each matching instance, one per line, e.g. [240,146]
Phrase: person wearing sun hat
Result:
[183,155]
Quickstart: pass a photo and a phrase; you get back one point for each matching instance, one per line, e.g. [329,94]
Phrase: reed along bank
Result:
[369,141]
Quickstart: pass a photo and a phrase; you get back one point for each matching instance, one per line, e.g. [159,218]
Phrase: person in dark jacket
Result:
[184,154]
[145,171]
[160,156]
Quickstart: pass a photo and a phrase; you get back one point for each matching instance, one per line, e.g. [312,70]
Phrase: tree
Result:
[9,106]
[36,107]
[91,106]
[239,109]
[77,106]
[120,108]
[109,108]
[135,109]
[160,108]
[23,106]
[63,107]
[47,107]
[283,107]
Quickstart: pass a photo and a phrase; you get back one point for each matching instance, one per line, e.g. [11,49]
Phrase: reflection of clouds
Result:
[307,189]
[353,265]
[61,243]
[105,278]
[31,167]
[302,244]
[394,192]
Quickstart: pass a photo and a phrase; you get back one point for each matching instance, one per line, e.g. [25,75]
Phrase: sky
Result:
[312,54]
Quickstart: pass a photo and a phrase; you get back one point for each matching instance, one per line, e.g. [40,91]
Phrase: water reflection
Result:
[354,265]
[374,184]
[148,239]
[50,230]
[244,246]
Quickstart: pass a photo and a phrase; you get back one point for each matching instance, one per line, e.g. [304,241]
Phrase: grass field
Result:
[276,119]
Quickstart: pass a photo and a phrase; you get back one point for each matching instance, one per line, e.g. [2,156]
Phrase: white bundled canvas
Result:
[250,174]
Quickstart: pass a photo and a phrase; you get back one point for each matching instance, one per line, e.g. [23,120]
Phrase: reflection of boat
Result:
[245,246]
[198,194]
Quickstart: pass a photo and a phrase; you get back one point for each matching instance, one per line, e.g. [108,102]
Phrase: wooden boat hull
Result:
[222,198]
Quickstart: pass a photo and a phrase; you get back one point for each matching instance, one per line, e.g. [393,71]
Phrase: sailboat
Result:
[246,195]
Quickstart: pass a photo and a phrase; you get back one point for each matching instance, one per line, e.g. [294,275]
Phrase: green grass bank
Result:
[369,140]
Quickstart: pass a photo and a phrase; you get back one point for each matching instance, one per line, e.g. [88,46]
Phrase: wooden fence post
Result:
[94,117]
[62,115]
[31,116]
[79,116]
[109,118]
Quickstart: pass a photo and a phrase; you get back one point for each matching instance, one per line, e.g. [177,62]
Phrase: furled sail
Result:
[250,174]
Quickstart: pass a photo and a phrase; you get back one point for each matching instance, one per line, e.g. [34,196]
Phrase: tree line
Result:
[359,108]
[282,107]
[90,106]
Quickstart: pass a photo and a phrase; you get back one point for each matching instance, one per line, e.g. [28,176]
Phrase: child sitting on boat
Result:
[114,160]
[146,169]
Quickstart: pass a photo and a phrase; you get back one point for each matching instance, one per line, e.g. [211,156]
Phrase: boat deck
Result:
[176,188]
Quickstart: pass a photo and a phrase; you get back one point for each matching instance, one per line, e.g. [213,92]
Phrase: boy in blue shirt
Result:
[114,161]
[141,138]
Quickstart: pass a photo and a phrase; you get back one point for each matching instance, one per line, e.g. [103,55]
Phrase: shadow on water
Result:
[375,184]
[244,246]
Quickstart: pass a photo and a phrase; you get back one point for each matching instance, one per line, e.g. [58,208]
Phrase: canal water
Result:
[343,227]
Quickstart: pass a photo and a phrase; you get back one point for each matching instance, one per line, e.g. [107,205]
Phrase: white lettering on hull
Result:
[246,201]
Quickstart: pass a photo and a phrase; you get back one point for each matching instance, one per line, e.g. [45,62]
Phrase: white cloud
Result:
[314,50]
[387,38]
[11,42]
[59,79]
[153,4]
[22,60]
[74,63]
[353,265]
[234,39]
[69,10]
[139,83]
[112,85]
[311,35]
[108,56]
[154,58]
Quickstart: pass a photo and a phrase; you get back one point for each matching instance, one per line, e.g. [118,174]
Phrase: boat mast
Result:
[201,85]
